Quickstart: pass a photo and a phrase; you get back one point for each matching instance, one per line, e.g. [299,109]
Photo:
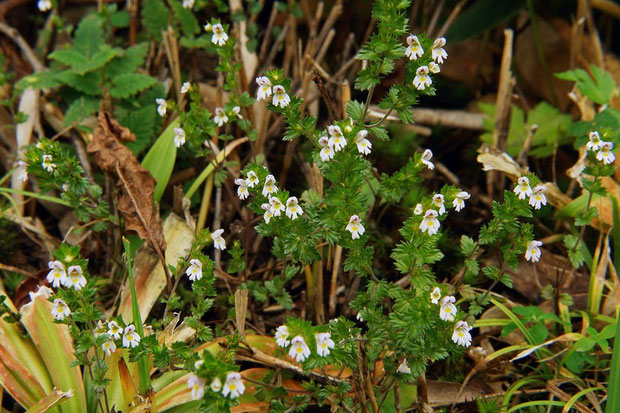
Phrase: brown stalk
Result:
[171,48]
[453,14]
[325,95]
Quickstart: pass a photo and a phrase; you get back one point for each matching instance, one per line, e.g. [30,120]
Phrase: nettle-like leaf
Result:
[80,108]
[129,84]
[88,37]
[155,17]
[599,87]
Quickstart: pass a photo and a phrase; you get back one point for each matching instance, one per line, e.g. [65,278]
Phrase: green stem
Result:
[35,195]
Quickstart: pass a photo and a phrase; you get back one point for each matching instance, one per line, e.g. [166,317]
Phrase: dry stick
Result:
[448,23]
[276,45]
[172,53]
[31,56]
[267,38]
[333,15]
[7,267]
[435,18]
[594,38]
[146,227]
[325,95]
[522,158]
[323,50]
[334,284]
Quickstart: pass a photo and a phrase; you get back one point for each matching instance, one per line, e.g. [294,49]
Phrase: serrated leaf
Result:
[142,123]
[69,57]
[127,61]
[98,60]
[185,18]
[87,83]
[130,84]
[88,37]
[81,108]
[155,17]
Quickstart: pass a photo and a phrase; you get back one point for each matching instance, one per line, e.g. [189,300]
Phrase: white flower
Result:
[58,275]
[216,385]
[459,200]
[188,4]
[538,197]
[434,67]
[179,137]
[293,210]
[447,312]
[47,163]
[595,141]
[194,271]
[75,278]
[323,343]
[264,88]
[426,159]
[605,153]
[219,35]
[108,347]
[44,5]
[359,316]
[282,336]
[23,172]
[251,179]
[207,27]
[363,145]
[299,349]
[533,251]
[270,186]
[186,85]
[327,152]
[114,330]
[418,209]
[100,329]
[337,139]
[435,295]
[276,206]
[268,214]
[523,188]
[414,50]
[237,111]
[404,368]
[60,310]
[430,223]
[130,337]
[197,384]
[438,201]
[438,54]
[422,80]
[162,105]
[355,227]
[242,189]
[220,117]
[280,97]
[218,240]
[461,334]
[233,386]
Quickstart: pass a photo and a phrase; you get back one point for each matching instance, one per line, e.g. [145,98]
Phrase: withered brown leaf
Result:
[136,184]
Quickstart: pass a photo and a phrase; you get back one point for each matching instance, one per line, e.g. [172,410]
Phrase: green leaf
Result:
[130,84]
[142,123]
[88,36]
[155,17]
[127,61]
[69,57]
[186,19]
[159,160]
[88,83]
[599,88]
[481,16]
[80,108]
[98,60]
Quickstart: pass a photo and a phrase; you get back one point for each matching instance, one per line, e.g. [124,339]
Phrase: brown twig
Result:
[31,56]
[318,80]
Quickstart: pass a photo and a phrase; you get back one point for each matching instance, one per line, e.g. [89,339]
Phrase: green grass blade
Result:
[613,400]
[159,160]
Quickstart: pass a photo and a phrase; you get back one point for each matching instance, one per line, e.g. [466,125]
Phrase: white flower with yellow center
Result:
[447,312]
[414,49]
[438,54]
[605,153]
[218,240]
[179,137]
[162,106]
[461,335]
[197,386]
[251,179]
[403,367]
[58,275]
[216,385]
[422,80]
[538,197]
[22,171]
[327,152]
[219,35]
[282,334]
[60,310]
[114,330]
[237,111]
[299,349]
[276,206]
[194,271]
[47,163]
[430,223]
[280,97]
[130,337]
[438,201]
[233,385]
[426,159]
[188,4]
[594,142]
[185,87]
[523,189]
[268,214]
[435,295]
[323,343]
[220,117]
[434,67]
[293,210]
[75,278]
[418,210]
[44,5]
[363,145]
[108,347]
[264,88]
[355,227]
[270,186]
[337,139]
[242,189]
[459,201]
[533,252]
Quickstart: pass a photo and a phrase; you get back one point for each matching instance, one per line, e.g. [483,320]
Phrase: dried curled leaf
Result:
[136,184]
